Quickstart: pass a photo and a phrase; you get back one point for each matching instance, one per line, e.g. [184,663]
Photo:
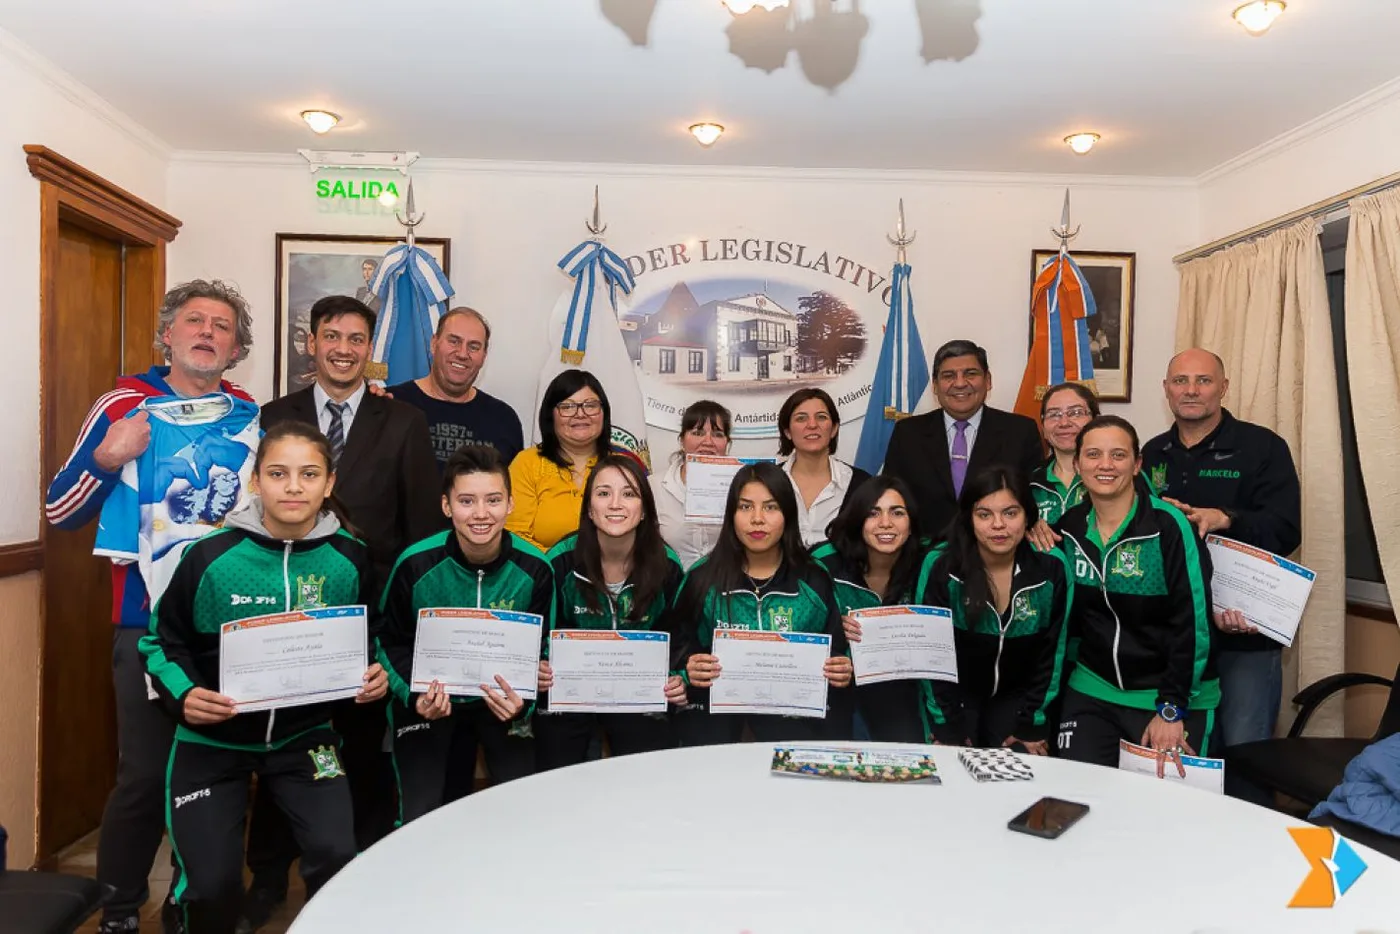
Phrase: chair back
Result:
[1390,718]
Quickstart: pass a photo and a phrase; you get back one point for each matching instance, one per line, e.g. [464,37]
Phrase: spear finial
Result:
[595,224]
[1064,232]
[410,219]
[902,237]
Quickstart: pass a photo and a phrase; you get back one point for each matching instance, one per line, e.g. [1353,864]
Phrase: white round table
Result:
[708,840]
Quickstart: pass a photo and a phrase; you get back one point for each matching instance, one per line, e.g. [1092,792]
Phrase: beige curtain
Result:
[1373,358]
[1262,306]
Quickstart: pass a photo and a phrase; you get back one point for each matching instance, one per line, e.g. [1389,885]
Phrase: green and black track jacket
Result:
[435,573]
[1021,651]
[1142,607]
[849,584]
[1052,498]
[571,609]
[233,574]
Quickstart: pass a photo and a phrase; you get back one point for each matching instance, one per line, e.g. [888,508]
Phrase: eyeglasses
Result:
[587,407]
[1055,415]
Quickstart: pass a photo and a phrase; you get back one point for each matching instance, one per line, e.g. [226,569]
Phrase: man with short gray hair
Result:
[156,422]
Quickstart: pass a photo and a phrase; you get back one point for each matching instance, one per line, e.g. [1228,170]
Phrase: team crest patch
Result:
[326,761]
[502,604]
[780,619]
[309,591]
[1127,561]
[1022,609]
[1157,476]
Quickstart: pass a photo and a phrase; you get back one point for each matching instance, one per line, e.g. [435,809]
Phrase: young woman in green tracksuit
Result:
[614,573]
[284,550]
[476,564]
[1145,670]
[759,577]
[873,553]
[1064,410]
[1010,605]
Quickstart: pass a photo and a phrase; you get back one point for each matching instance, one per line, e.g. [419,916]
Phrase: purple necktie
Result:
[959,461]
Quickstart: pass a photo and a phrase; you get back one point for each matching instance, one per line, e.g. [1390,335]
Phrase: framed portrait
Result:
[312,266]
[1111,277]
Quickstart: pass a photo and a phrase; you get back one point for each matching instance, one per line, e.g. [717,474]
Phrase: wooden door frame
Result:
[69,193]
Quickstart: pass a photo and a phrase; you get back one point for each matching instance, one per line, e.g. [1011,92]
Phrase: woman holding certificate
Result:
[1010,605]
[283,580]
[476,566]
[615,574]
[547,480]
[1145,672]
[873,553]
[809,423]
[757,604]
[705,427]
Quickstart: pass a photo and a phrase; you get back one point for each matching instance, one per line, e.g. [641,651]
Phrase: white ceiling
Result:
[1174,86]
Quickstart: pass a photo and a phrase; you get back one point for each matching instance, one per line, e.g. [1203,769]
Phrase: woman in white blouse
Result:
[704,430]
[809,424]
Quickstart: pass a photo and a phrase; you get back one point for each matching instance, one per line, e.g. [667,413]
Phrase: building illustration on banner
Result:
[723,330]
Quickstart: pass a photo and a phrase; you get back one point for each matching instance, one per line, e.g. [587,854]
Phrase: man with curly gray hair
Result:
[204,329]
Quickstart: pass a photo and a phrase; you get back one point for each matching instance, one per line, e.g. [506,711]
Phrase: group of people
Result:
[1078,584]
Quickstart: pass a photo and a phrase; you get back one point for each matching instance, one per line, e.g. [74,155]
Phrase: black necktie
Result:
[336,434]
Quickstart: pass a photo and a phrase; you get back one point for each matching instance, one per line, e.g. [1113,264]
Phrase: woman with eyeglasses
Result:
[547,480]
[1064,410]
[705,429]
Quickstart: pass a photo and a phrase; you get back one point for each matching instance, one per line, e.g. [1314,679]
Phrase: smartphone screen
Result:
[1048,817]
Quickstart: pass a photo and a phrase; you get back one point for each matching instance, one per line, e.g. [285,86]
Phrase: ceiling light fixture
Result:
[706,133]
[320,121]
[740,7]
[1082,142]
[1256,17]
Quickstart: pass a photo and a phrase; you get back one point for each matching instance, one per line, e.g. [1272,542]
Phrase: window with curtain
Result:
[1365,582]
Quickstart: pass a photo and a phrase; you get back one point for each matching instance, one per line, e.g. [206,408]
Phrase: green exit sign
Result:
[355,189]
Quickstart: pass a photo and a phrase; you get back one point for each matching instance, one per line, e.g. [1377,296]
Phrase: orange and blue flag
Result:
[1061,304]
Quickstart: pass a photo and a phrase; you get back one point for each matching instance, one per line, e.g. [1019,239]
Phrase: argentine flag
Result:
[413,292]
[901,377]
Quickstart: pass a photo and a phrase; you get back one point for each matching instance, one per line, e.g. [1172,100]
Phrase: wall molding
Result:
[21,558]
[81,95]
[604,170]
[1353,109]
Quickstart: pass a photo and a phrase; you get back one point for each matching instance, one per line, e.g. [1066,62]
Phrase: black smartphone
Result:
[1048,817]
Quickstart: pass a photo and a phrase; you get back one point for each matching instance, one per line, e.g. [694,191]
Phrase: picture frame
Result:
[1112,277]
[312,266]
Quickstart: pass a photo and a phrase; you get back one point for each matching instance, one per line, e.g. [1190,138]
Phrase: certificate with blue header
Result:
[608,671]
[903,642]
[1269,591]
[291,659]
[462,649]
[707,482]
[1202,773]
[778,673]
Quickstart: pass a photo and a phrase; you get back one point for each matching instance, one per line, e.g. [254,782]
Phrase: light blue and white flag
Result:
[413,292]
[901,377]
[583,333]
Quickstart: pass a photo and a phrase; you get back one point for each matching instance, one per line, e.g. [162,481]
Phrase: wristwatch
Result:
[1170,712]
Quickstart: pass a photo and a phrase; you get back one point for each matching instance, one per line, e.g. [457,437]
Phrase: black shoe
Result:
[258,905]
[127,925]
[172,918]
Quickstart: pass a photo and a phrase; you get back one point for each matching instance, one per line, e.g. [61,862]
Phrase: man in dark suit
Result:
[387,481]
[935,453]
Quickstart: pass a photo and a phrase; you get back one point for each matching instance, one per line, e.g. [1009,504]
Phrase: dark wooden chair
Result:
[45,902]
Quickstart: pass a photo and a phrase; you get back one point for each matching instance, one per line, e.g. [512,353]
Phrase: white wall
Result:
[42,105]
[1350,146]
[509,225]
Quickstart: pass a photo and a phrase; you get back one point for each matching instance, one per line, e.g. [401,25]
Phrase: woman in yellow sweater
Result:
[547,479]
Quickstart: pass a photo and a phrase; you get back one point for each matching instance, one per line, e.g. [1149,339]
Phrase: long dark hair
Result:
[560,388]
[650,566]
[963,556]
[847,534]
[303,431]
[724,569]
[785,442]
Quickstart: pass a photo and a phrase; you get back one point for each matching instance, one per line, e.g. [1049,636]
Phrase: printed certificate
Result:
[1269,591]
[901,642]
[1205,774]
[608,671]
[707,481]
[292,659]
[770,673]
[463,649]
